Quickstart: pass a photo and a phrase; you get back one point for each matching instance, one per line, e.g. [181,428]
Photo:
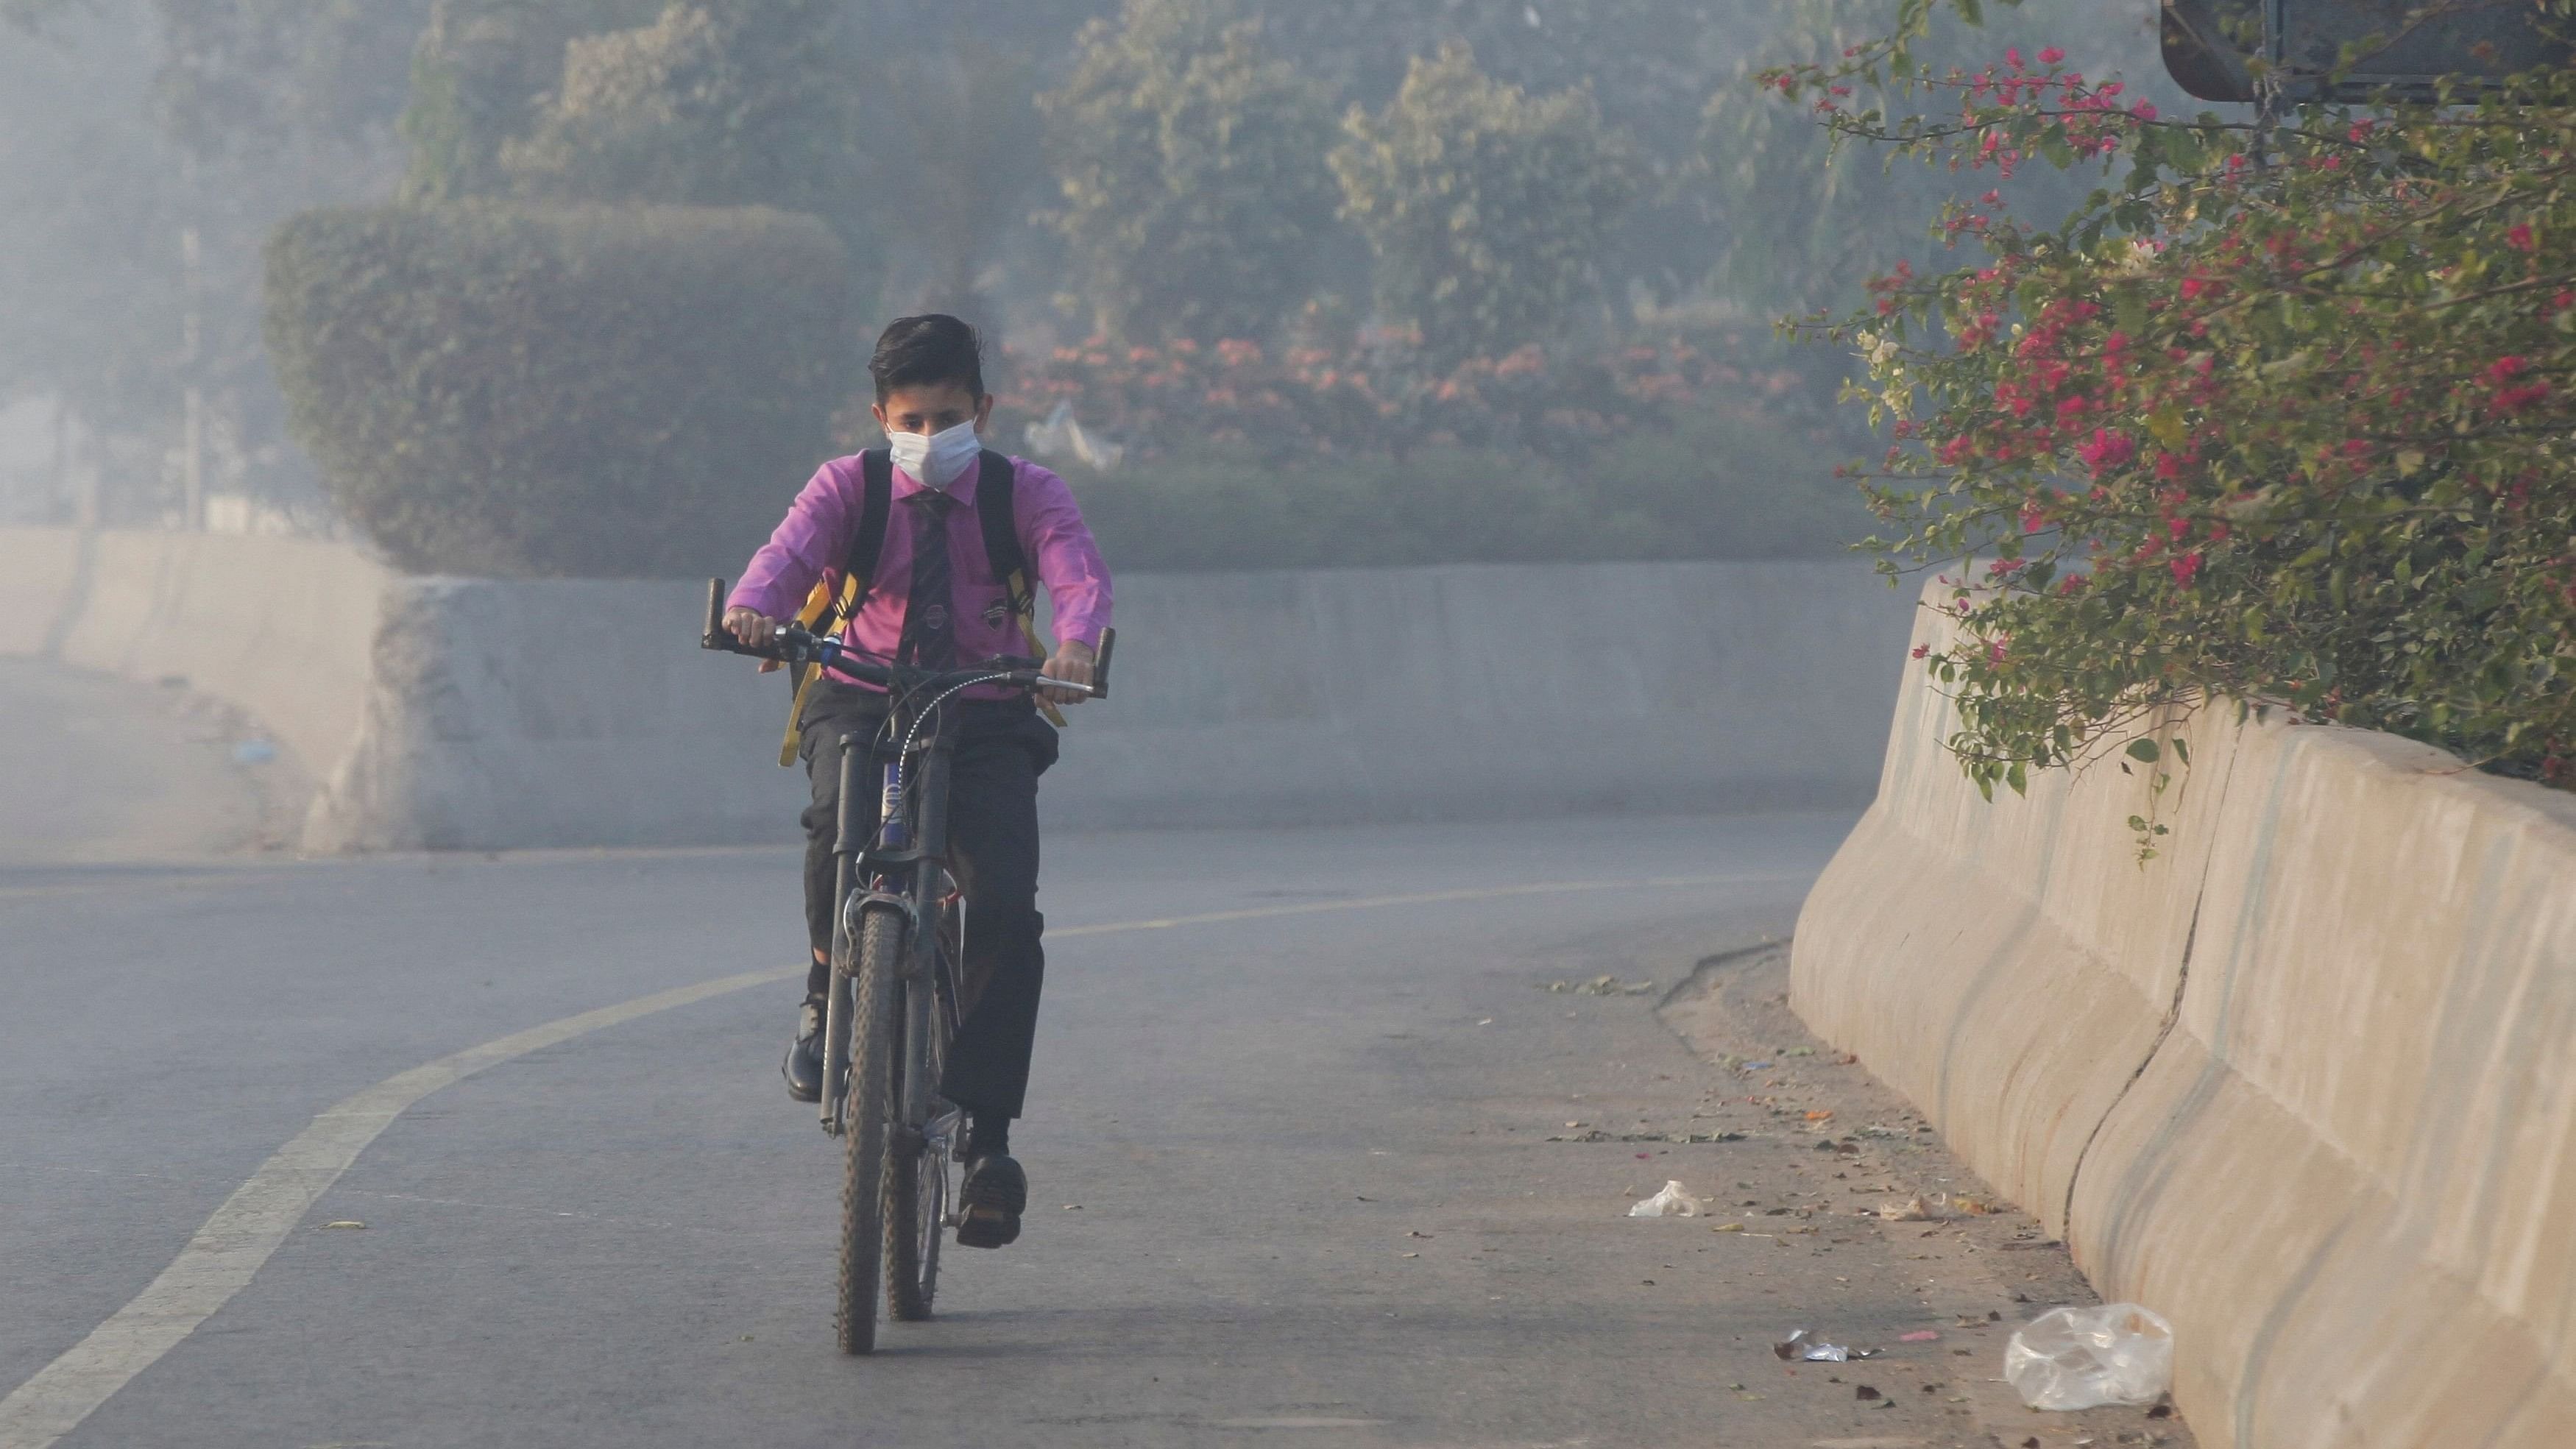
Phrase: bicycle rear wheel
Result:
[875,978]
[918,1174]
[916,1217]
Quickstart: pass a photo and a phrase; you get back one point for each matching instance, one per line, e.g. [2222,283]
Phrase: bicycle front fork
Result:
[894,826]
[839,1005]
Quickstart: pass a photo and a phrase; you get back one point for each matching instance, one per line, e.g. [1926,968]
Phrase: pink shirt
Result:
[817,531]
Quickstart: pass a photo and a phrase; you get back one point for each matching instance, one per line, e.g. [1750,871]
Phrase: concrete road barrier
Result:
[465,713]
[2305,1083]
[281,628]
[40,572]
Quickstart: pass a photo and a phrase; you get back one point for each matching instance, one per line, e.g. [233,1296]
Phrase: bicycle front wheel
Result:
[875,979]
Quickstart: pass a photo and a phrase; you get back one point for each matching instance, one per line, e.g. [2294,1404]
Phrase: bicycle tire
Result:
[868,1105]
[916,1192]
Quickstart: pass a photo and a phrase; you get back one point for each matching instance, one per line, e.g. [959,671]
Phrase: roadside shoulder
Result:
[1867,1171]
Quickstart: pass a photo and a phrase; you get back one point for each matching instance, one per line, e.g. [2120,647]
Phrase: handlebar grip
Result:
[713,637]
[1100,666]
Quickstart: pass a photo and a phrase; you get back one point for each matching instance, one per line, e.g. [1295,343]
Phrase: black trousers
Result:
[1001,749]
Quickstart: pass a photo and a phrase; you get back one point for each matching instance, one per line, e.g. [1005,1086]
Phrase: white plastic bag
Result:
[1672,1202]
[2082,1358]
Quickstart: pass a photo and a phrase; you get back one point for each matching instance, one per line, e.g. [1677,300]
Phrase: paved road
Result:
[623,1239]
[99,769]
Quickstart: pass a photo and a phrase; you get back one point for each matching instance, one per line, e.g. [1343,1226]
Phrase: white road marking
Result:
[219,1261]
[255,1221]
[1426,898]
[1301,1421]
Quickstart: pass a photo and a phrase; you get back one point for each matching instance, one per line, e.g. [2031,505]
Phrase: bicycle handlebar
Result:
[797,645]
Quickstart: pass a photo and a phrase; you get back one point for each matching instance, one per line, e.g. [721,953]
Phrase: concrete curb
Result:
[2306,1083]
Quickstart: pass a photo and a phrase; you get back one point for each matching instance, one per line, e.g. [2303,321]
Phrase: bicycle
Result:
[897,988]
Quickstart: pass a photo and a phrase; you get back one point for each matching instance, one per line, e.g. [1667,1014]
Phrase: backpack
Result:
[835,601]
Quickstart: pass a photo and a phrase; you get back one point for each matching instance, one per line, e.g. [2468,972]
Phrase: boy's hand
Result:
[755,630]
[1071,663]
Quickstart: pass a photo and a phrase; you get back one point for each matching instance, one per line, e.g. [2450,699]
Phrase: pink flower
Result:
[2520,238]
[2143,110]
[1922,650]
[2051,56]
[2106,450]
[2185,567]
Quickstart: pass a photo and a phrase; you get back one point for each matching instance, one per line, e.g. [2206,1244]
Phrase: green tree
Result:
[1797,222]
[652,102]
[1190,173]
[480,79]
[2279,416]
[713,103]
[1486,207]
[955,133]
[1797,217]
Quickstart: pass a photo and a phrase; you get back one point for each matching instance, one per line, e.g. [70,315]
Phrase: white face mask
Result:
[936,459]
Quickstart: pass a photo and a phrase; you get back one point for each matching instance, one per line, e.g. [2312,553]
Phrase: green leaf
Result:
[2144,751]
[2129,309]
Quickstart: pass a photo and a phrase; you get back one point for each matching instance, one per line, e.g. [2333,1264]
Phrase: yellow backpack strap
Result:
[821,608]
[826,609]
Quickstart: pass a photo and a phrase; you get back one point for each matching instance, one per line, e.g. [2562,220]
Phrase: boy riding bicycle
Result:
[932,597]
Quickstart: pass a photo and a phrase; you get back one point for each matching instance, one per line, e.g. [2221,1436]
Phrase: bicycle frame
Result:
[901,864]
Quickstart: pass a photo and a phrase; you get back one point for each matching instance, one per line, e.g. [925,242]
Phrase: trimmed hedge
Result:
[517,391]
[1714,486]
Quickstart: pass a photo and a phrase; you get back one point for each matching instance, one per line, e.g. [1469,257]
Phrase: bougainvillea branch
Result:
[2282,415]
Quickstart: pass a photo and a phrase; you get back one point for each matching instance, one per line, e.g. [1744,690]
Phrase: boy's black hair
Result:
[926,351]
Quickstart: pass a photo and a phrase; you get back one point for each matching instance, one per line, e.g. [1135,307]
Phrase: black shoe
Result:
[990,1202]
[804,1065]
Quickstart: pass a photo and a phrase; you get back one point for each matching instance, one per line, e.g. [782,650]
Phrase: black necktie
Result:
[929,626]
